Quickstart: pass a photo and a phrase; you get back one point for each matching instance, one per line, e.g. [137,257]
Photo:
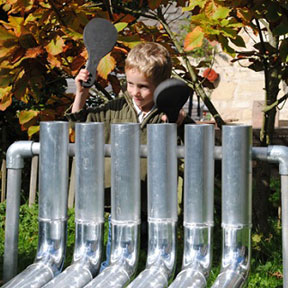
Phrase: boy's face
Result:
[141,89]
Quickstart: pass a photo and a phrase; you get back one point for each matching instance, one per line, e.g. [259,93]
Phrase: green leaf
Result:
[129,41]
[238,41]
[225,45]
[27,115]
[194,39]
[33,130]
[221,13]
[120,26]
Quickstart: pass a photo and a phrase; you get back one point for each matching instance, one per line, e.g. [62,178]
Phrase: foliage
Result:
[41,45]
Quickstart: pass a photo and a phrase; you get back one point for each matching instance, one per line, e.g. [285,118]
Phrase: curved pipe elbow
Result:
[16,152]
[86,258]
[279,154]
[161,258]
[197,258]
[49,259]
[235,258]
[123,259]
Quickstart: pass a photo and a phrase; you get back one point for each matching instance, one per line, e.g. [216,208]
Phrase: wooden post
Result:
[33,180]
[3,180]
[71,194]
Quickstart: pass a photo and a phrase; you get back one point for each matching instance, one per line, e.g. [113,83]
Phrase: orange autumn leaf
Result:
[106,65]
[55,46]
[34,52]
[194,39]
[210,74]
[5,98]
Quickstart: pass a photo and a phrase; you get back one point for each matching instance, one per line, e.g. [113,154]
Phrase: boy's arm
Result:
[81,92]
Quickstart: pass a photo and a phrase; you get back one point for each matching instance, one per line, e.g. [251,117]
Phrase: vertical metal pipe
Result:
[53,182]
[198,206]
[89,207]
[162,207]
[236,206]
[284,204]
[15,163]
[125,210]
[12,223]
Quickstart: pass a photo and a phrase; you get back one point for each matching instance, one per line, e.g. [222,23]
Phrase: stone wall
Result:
[240,94]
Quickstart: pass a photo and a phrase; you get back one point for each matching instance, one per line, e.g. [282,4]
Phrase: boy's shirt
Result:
[140,114]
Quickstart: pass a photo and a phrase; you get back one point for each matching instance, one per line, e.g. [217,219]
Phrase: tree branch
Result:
[275,104]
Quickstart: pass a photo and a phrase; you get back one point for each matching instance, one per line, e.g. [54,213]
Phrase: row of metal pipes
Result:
[162,152]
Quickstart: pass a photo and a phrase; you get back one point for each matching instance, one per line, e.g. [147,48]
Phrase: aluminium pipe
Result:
[198,207]
[89,207]
[125,207]
[53,182]
[162,207]
[15,163]
[236,206]
[279,154]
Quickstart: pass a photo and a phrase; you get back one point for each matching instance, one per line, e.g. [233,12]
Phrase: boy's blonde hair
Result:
[151,59]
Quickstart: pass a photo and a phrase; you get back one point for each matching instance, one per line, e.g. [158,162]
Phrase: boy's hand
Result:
[180,119]
[82,76]
[81,92]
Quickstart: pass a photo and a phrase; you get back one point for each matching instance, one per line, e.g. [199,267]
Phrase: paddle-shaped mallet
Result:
[99,38]
[170,96]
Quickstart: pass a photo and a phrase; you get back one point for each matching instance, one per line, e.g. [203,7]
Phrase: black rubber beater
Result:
[99,37]
[170,96]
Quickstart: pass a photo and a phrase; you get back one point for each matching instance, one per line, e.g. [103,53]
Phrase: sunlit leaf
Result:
[55,46]
[120,26]
[27,115]
[220,13]
[33,130]
[5,35]
[16,23]
[5,98]
[194,39]
[129,41]
[106,65]
[54,61]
